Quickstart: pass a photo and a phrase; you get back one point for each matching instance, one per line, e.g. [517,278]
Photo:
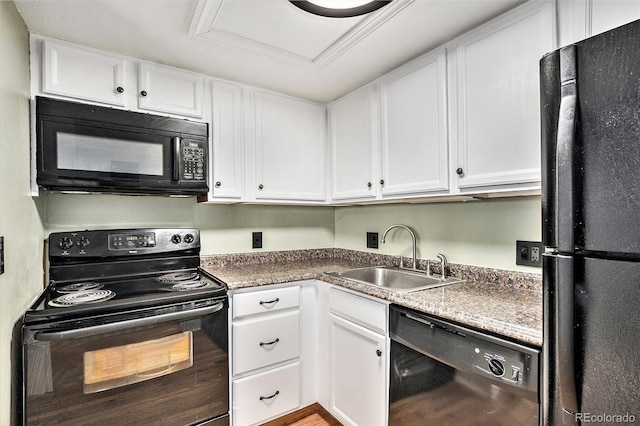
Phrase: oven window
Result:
[113,367]
[110,155]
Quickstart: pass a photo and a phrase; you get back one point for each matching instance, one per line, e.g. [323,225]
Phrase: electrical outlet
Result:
[1,255]
[256,240]
[372,240]
[529,253]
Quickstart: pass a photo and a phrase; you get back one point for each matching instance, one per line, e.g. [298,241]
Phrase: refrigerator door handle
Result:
[565,345]
[565,143]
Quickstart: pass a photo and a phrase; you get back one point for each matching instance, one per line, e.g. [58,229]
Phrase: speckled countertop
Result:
[502,302]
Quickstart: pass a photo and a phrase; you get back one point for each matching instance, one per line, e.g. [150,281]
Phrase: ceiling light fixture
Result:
[339,8]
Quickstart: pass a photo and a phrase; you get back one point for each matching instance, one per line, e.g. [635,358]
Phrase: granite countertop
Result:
[502,302]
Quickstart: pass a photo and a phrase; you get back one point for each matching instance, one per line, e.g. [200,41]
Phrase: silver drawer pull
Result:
[268,302]
[273,342]
[262,398]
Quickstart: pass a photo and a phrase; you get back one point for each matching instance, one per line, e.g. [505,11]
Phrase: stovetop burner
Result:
[178,277]
[189,285]
[81,298]
[82,286]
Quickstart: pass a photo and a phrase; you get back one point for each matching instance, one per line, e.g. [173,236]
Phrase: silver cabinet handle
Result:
[269,302]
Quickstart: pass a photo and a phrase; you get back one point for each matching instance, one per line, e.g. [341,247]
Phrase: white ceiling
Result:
[266,43]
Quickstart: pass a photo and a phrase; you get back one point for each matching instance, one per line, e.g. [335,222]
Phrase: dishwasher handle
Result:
[431,324]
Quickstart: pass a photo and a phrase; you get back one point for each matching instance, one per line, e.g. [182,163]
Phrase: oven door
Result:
[170,369]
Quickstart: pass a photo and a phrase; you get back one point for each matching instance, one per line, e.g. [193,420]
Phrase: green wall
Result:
[224,228]
[20,222]
[481,233]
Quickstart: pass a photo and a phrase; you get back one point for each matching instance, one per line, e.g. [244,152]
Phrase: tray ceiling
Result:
[267,43]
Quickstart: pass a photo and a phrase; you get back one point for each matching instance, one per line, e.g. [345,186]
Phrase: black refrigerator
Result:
[590,102]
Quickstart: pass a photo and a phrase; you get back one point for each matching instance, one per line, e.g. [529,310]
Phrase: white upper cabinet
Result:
[414,127]
[580,19]
[227,175]
[353,132]
[290,148]
[495,85]
[171,90]
[83,73]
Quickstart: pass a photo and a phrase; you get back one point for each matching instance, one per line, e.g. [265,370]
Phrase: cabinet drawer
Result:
[265,340]
[265,301]
[366,312]
[266,395]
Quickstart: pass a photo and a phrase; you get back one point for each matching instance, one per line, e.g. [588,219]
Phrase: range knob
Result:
[65,243]
[176,238]
[189,238]
[83,242]
[496,367]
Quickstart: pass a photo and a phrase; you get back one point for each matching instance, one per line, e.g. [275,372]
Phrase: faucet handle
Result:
[443,262]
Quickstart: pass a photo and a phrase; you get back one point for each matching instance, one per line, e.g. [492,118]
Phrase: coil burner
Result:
[177,277]
[189,285]
[83,286]
[81,297]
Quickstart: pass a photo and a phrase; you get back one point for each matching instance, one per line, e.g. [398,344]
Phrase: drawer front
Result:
[366,312]
[257,302]
[265,340]
[266,395]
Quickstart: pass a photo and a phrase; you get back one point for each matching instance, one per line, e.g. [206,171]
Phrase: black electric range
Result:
[111,273]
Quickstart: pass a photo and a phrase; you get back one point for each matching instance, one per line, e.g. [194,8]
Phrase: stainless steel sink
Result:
[394,279]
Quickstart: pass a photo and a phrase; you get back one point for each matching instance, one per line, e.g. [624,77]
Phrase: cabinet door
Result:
[83,73]
[357,369]
[498,109]
[353,145]
[414,127]
[228,141]
[171,90]
[290,148]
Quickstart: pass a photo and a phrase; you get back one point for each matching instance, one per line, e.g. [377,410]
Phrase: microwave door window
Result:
[108,155]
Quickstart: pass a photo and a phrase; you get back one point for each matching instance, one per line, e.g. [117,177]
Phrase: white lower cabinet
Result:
[355,388]
[296,344]
[266,395]
[265,354]
[358,373]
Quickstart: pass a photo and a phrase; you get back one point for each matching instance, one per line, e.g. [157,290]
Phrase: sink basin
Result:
[394,279]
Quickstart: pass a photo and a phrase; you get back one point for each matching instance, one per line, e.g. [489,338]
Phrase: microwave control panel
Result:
[193,161]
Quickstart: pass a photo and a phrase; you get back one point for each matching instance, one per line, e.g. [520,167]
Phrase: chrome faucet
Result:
[443,263]
[413,241]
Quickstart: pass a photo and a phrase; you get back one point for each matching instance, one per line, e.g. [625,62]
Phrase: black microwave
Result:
[88,148]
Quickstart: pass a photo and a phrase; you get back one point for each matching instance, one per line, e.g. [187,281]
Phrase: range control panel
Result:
[122,242]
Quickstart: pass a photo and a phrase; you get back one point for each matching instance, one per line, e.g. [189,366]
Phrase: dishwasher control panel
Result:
[498,365]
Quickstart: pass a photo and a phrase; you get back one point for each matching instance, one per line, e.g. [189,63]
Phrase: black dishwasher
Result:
[446,374]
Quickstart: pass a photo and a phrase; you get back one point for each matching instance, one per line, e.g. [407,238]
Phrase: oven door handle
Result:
[48,336]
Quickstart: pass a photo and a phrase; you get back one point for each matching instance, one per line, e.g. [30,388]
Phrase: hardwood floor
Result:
[313,415]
